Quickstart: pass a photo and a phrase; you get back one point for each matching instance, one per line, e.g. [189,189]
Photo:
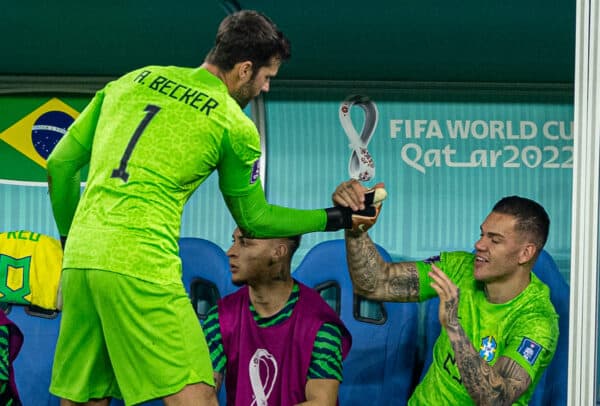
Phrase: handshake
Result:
[356,220]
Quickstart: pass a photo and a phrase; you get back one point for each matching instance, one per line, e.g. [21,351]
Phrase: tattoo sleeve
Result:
[376,279]
[501,384]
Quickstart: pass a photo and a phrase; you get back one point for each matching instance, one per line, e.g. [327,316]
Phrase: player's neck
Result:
[214,69]
[230,78]
[506,290]
[269,298]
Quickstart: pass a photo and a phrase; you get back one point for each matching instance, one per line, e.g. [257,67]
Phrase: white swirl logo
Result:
[262,390]
[361,165]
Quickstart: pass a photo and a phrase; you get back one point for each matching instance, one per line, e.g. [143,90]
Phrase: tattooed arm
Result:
[376,279]
[501,384]
[371,275]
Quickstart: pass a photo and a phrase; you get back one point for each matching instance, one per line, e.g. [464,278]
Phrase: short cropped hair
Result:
[293,243]
[248,35]
[531,217]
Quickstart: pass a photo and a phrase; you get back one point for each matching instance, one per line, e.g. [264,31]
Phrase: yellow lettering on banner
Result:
[18,135]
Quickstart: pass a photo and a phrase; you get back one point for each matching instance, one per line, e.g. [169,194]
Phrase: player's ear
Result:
[244,70]
[527,253]
[281,250]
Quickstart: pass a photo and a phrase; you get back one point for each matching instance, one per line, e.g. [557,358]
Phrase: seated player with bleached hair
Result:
[275,340]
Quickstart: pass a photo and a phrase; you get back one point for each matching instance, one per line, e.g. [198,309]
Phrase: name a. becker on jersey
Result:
[190,96]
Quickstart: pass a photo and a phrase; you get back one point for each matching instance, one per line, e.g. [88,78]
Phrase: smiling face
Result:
[501,250]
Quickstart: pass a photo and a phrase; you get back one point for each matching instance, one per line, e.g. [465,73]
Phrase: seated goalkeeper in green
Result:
[499,327]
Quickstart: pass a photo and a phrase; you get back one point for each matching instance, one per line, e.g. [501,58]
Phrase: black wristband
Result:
[63,241]
[338,217]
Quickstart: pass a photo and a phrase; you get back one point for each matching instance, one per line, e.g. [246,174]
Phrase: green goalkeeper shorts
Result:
[126,338]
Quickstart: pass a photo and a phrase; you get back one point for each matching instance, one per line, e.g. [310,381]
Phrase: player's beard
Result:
[244,94]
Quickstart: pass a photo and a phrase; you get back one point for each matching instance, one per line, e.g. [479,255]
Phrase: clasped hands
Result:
[365,203]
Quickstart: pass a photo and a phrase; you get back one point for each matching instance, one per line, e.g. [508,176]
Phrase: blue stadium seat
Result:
[203,259]
[381,363]
[33,365]
[552,387]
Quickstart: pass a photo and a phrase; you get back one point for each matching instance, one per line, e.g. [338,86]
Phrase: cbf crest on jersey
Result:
[28,140]
[487,349]
[530,350]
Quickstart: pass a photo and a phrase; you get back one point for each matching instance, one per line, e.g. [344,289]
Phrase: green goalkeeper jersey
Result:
[155,135]
[524,329]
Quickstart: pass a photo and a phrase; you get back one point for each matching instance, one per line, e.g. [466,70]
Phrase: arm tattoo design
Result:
[501,384]
[376,279]
[404,281]
[362,263]
[451,309]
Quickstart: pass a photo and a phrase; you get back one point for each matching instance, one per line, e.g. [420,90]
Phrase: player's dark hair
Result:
[531,217]
[294,243]
[248,35]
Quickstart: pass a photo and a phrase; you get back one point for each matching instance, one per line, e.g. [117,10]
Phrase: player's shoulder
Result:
[241,123]
[457,256]
[243,136]
[453,260]
[458,265]
[538,290]
[319,308]
[153,71]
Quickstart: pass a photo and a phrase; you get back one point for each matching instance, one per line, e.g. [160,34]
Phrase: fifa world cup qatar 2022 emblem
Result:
[361,165]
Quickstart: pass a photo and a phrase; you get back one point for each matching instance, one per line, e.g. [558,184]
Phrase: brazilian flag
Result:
[30,128]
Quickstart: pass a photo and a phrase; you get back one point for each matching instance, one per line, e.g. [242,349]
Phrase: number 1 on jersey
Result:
[121,171]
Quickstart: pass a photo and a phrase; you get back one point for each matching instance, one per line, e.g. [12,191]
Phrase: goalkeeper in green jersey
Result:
[151,138]
[499,327]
